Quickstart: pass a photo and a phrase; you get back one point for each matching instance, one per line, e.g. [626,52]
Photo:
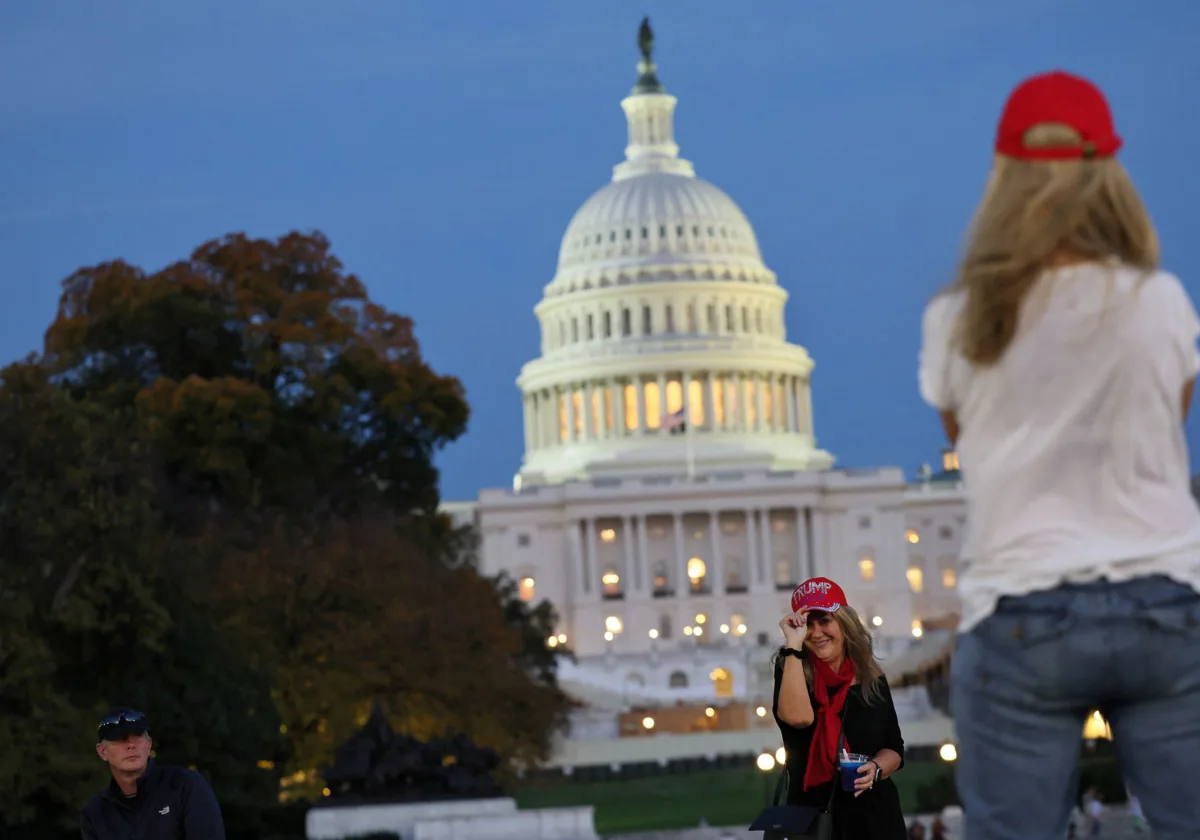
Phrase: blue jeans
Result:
[1024,680]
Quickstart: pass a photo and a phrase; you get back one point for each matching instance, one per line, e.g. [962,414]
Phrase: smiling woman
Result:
[837,719]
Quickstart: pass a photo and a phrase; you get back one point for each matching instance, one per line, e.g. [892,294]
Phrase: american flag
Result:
[674,423]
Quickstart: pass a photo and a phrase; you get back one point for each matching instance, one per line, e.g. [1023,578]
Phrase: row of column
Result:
[613,408]
[586,574]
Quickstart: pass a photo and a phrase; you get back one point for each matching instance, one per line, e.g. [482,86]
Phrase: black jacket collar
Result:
[114,792]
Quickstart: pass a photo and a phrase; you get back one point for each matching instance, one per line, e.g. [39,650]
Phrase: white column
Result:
[644,553]
[710,401]
[739,402]
[528,410]
[632,567]
[619,408]
[662,398]
[759,425]
[716,569]
[589,555]
[569,396]
[639,393]
[589,412]
[728,395]
[805,403]
[804,568]
[753,556]
[789,394]
[685,388]
[681,579]
[578,566]
[768,554]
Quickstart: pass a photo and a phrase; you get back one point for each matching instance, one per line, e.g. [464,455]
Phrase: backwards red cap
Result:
[1057,97]
[819,594]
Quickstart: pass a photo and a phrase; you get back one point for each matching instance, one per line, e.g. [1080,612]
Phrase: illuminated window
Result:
[597,413]
[779,526]
[631,411]
[749,404]
[722,682]
[912,536]
[562,417]
[866,568]
[674,396]
[577,406]
[612,583]
[653,405]
[768,404]
[613,624]
[608,535]
[718,388]
[949,578]
[916,578]
[950,460]
[608,410]
[526,589]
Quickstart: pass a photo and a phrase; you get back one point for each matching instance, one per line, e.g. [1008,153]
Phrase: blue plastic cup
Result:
[848,764]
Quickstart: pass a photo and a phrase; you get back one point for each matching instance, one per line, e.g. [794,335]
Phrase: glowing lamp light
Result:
[608,636]
[761,711]
[781,755]
[552,641]
[696,569]
[877,620]
[1096,728]
[610,579]
[741,629]
[710,712]
[647,723]
[653,633]
[562,638]
[613,624]
[698,631]
[724,628]
[918,630]
[701,618]
[948,752]
[687,631]
[765,762]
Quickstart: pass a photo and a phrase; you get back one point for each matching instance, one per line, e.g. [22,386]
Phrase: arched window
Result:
[678,679]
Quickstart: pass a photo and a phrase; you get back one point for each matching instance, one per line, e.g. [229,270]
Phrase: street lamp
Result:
[948,752]
[766,763]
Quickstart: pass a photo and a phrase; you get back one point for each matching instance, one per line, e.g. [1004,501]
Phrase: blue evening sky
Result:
[443,147]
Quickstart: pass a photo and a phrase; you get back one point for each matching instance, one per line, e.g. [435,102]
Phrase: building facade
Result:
[672,492]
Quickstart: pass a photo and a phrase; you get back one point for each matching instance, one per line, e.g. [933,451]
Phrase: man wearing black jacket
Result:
[145,800]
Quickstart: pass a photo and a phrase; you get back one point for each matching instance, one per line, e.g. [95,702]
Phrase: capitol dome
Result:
[663,339]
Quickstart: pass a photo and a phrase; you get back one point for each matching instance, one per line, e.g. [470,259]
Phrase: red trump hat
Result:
[1062,98]
[819,594]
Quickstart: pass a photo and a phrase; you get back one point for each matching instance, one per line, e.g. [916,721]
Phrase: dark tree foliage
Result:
[218,503]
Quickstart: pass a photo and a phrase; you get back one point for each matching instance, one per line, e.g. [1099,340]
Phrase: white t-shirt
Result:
[1072,451]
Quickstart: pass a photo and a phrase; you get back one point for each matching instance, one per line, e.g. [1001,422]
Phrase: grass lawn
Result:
[723,797]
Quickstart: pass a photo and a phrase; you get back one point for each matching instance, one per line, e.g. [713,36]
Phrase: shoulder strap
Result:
[837,754]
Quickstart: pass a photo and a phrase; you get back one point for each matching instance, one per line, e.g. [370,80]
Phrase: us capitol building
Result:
[672,491]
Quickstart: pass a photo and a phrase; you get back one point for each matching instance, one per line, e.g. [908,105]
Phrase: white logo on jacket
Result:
[166,810]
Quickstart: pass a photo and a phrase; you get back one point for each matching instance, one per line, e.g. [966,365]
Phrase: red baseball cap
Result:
[819,594]
[1057,97]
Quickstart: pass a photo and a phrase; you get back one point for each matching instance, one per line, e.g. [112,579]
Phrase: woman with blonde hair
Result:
[1062,361]
[837,719]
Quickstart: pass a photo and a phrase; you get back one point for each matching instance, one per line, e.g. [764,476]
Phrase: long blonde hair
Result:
[1034,213]
[860,650]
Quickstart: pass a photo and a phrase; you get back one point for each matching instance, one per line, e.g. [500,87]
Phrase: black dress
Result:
[876,815]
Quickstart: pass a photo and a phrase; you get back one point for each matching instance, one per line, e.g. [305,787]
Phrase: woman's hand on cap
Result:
[794,627]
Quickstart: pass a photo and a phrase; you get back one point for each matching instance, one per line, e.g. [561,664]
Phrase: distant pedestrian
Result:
[1062,361]
[1136,816]
[146,800]
[1095,810]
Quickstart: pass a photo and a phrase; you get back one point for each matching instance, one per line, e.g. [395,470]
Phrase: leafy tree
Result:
[220,476]
[92,616]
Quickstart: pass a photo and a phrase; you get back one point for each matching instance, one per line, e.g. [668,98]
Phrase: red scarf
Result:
[827,724]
